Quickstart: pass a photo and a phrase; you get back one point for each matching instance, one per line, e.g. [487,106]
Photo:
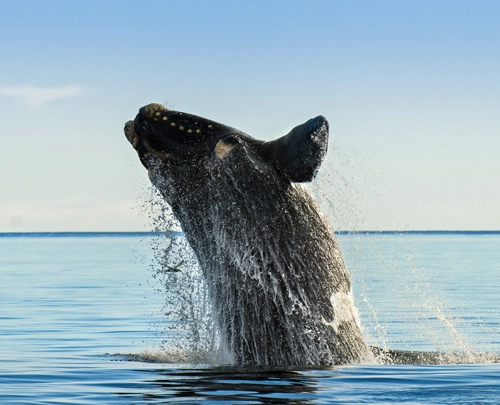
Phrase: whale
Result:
[280,290]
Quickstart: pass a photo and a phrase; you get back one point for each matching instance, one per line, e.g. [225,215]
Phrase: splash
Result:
[188,304]
[341,188]
[194,336]
[191,335]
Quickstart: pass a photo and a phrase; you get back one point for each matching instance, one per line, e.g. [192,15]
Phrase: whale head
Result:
[157,133]
[166,138]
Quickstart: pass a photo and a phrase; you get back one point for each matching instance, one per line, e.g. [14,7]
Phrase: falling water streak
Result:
[178,278]
[187,299]
[381,331]
[339,196]
[243,299]
[423,299]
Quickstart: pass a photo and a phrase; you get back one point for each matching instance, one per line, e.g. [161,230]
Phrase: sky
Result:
[411,90]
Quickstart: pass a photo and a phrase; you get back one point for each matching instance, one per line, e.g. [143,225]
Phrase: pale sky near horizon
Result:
[411,91]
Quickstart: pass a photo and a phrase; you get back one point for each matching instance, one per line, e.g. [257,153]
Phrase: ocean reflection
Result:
[229,384]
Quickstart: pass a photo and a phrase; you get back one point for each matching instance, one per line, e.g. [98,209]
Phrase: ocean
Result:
[82,315]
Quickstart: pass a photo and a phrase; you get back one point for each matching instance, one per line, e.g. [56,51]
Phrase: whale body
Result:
[279,287]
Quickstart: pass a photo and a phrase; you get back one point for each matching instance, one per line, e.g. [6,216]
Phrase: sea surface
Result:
[81,316]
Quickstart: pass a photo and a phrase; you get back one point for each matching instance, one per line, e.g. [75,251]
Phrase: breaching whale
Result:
[279,287]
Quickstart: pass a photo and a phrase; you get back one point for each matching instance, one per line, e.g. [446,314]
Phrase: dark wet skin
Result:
[182,138]
[272,266]
[195,162]
[172,133]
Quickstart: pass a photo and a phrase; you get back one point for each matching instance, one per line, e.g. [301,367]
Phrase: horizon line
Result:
[180,233]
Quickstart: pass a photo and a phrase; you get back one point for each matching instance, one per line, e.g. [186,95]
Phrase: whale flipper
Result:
[300,153]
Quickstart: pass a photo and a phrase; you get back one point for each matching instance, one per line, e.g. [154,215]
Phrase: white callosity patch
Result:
[154,110]
[222,149]
[131,135]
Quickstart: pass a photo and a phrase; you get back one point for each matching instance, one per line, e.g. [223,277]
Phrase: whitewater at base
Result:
[69,299]
[186,300]
[381,357]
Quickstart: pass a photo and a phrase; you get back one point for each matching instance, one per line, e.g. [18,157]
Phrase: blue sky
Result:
[411,90]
